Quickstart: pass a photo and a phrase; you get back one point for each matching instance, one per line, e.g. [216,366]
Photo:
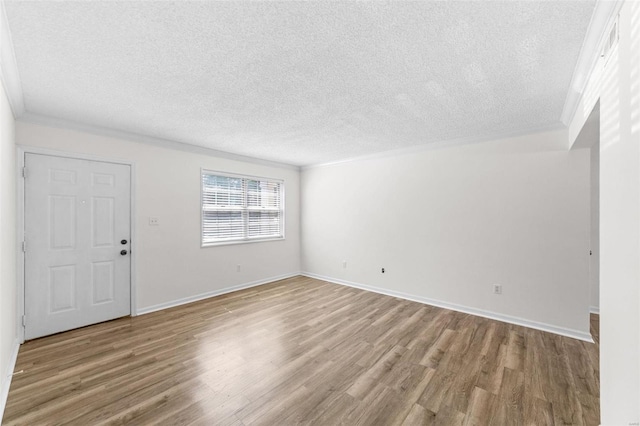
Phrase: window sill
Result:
[234,242]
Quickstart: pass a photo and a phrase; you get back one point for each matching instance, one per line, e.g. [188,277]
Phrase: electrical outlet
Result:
[344,264]
[497,289]
[154,221]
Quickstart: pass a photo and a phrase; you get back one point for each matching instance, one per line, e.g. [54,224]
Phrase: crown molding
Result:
[442,144]
[8,67]
[44,120]
[603,16]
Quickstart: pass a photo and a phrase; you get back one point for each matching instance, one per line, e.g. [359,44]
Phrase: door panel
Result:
[103,221]
[103,281]
[62,288]
[76,214]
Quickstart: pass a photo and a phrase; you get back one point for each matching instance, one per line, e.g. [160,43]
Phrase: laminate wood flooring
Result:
[303,351]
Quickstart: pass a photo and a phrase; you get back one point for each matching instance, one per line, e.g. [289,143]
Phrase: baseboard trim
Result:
[594,310]
[8,375]
[214,293]
[567,332]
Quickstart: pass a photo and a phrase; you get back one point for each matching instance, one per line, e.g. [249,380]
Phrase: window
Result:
[241,208]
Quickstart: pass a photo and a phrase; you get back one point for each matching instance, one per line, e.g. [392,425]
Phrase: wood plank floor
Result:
[303,351]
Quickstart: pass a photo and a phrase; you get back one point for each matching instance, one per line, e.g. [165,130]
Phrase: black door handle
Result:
[123,252]
[123,242]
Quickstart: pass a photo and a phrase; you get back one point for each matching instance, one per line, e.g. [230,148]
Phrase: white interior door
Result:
[77,243]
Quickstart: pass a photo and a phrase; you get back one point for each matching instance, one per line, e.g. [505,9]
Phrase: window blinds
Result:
[236,208]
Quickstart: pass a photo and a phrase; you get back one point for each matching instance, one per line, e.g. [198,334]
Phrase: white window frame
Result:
[245,239]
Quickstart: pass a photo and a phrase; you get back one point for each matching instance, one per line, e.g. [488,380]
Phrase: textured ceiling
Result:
[300,82]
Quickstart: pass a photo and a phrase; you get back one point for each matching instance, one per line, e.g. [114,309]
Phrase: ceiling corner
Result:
[603,16]
[8,67]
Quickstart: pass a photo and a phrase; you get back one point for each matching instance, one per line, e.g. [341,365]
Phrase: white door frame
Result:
[20,263]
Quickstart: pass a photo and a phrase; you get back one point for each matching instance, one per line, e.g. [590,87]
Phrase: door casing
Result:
[20,232]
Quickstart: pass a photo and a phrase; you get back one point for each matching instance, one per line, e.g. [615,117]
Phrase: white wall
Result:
[8,336]
[594,260]
[617,85]
[448,224]
[171,265]
[616,82]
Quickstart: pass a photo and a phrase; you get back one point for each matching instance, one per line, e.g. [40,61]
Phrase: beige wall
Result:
[170,264]
[448,224]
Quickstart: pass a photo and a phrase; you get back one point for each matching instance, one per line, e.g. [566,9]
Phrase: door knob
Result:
[123,252]
[123,242]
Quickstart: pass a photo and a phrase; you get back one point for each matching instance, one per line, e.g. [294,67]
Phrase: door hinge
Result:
[24,320]
[24,172]
[24,246]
